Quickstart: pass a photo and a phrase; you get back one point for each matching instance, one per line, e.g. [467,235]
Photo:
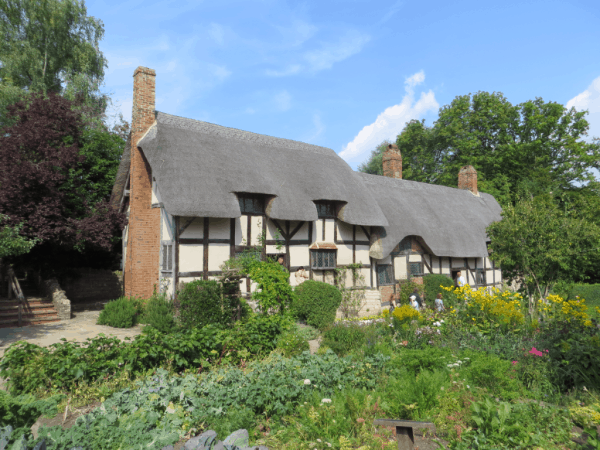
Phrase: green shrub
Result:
[273,290]
[407,287]
[343,339]
[259,333]
[492,373]
[431,283]
[317,303]
[292,343]
[159,314]
[119,313]
[590,292]
[201,304]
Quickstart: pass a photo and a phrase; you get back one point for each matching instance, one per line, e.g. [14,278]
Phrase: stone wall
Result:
[93,285]
[51,290]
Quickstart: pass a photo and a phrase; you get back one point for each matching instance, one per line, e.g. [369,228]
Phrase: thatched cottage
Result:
[197,194]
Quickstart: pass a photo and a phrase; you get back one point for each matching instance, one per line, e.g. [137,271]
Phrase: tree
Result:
[51,46]
[374,165]
[532,148]
[48,183]
[540,243]
[11,241]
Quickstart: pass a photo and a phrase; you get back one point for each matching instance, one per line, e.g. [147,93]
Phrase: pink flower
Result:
[514,362]
[535,352]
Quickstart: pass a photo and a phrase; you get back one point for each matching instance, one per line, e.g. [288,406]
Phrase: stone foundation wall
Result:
[94,285]
[51,290]
[371,304]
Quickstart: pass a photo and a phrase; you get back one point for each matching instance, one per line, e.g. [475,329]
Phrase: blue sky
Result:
[347,74]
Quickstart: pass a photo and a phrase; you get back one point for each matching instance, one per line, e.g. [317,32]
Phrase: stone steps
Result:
[36,311]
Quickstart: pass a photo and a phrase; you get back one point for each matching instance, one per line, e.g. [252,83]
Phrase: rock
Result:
[219,446]
[168,447]
[201,442]
[239,438]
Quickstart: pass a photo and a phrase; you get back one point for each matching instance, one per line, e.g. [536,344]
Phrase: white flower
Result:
[442,321]
[328,444]
[467,358]
[318,440]
[442,388]
[307,382]
[333,420]
[305,403]
[468,387]
[450,365]
[326,400]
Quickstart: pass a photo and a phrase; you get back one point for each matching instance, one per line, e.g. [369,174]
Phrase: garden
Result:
[487,371]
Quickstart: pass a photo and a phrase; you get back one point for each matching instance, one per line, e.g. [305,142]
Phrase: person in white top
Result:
[301,276]
[460,280]
[413,302]
[439,303]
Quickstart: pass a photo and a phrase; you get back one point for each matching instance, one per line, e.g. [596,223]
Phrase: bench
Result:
[404,430]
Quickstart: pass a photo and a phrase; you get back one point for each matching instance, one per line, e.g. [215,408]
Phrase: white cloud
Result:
[331,53]
[393,10]
[297,33]
[217,33]
[589,100]
[219,72]
[391,121]
[319,128]
[282,101]
[289,70]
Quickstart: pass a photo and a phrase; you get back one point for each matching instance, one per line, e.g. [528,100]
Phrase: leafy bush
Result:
[201,304]
[494,374]
[119,313]
[292,343]
[406,314]
[343,339]
[407,287]
[590,292]
[317,303]
[432,283]
[159,314]
[259,333]
[273,288]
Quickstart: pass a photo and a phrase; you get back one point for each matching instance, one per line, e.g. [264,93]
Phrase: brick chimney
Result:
[143,244]
[392,162]
[467,179]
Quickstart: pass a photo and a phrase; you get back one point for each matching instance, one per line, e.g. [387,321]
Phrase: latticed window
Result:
[167,256]
[385,275]
[415,269]
[405,245]
[326,210]
[251,203]
[480,276]
[251,251]
[322,259]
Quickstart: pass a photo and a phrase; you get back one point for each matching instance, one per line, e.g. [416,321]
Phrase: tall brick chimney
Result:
[141,270]
[392,162]
[467,179]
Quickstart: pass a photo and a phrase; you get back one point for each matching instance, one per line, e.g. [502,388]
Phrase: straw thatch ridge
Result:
[199,167]
[451,221]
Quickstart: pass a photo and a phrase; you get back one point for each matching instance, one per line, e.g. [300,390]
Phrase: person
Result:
[301,275]
[460,280]
[439,303]
[418,297]
[392,305]
[413,301]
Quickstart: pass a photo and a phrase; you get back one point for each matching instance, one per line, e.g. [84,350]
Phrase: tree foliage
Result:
[11,241]
[374,165]
[51,46]
[541,243]
[531,148]
[54,177]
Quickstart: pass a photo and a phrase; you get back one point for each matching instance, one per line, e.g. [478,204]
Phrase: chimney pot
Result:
[467,179]
[392,162]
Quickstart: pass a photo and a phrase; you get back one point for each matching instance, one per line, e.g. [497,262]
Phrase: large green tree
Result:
[539,242]
[532,148]
[51,46]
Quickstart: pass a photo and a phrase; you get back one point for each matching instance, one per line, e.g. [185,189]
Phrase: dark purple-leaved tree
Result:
[39,155]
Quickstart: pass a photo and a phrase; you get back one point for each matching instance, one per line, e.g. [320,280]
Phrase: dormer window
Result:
[252,204]
[326,209]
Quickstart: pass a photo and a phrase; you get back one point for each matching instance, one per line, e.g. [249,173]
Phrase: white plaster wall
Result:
[344,231]
[360,234]
[401,268]
[168,283]
[167,227]
[344,254]
[191,257]
[299,256]
[302,233]
[414,258]
[273,249]
[366,273]
[435,264]
[386,260]
[256,229]
[362,254]
[329,226]
[217,255]
[243,236]
[445,265]
[218,228]
[458,262]
[195,230]
[371,305]
[317,275]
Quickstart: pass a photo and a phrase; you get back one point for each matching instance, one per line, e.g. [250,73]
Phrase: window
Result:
[252,204]
[415,269]
[322,259]
[385,275]
[480,273]
[405,245]
[167,256]
[326,209]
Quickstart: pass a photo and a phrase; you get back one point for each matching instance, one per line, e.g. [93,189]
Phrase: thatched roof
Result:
[199,167]
[451,221]
[122,175]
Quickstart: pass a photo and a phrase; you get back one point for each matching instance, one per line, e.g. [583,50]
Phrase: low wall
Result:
[61,302]
[371,304]
[93,285]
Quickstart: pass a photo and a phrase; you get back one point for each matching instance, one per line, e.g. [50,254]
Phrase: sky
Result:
[348,74]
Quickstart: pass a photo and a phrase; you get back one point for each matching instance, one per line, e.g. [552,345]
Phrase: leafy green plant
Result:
[119,313]
[352,299]
[159,314]
[432,283]
[317,303]
[201,304]
[407,287]
[292,343]
[343,339]
[273,290]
